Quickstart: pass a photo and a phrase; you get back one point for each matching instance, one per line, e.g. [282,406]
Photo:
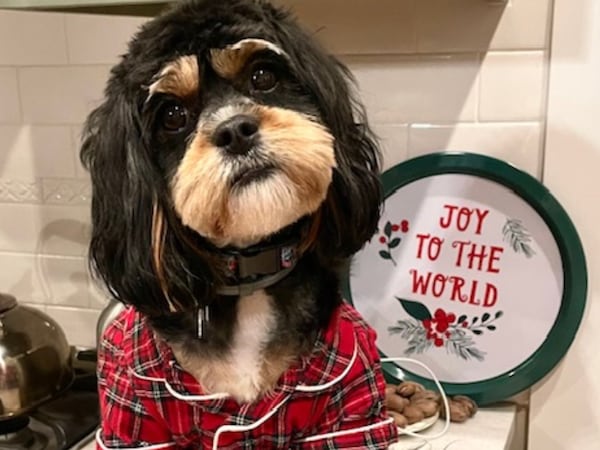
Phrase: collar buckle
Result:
[252,269]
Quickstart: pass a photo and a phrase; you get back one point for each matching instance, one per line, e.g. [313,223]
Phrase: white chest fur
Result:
[255,321]
[245,371]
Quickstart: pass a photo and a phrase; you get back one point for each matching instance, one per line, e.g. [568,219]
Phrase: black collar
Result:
[257,267]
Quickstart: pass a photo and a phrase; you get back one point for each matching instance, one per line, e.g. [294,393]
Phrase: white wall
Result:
[565,408]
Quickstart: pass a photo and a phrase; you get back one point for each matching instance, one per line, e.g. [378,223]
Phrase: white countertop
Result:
[491,428]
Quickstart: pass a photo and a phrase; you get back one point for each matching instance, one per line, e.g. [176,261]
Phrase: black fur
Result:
[119,151]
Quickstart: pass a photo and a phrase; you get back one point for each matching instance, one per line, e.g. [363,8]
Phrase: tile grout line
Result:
[20,97]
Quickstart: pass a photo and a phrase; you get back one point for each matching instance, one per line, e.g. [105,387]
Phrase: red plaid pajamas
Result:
[333,399]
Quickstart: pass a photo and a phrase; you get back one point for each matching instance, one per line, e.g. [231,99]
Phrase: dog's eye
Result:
[264,79]
[173,117]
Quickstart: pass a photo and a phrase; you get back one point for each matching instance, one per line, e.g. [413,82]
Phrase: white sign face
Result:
[463,275]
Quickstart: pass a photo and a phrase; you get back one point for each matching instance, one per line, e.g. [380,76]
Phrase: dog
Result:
[234,174]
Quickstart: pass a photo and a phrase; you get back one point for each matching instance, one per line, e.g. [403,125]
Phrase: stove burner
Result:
[59,424]
[13,424]
[16,435]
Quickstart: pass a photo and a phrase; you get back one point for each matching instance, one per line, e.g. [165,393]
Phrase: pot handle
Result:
[84,359]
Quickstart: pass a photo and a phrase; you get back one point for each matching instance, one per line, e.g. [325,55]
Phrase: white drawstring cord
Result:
[258,423]
[299,388]
[438,385]
[179,396]
[322,387]
[229,428]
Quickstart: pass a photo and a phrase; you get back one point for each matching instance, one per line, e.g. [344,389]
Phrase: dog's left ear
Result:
[352,208]
[351,211]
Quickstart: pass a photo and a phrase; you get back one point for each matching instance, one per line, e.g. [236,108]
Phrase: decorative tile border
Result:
[66,191]
[18,191]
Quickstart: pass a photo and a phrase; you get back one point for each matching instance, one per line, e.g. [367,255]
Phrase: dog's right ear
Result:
[126,250]
[119,201]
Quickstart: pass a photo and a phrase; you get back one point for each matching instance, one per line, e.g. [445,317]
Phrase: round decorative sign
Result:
[476,271]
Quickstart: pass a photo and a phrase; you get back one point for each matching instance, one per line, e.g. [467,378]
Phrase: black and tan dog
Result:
[233,174]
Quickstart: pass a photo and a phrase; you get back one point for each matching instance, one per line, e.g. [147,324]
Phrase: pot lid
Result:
[476,271]
[7,302]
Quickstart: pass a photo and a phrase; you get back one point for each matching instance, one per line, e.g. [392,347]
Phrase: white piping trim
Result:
[145,447]
[239,428]
[222,395]
[180,396]
[333,382]
[364,429]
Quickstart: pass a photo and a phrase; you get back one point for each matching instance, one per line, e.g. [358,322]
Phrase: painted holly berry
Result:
[425,330]
[390,241]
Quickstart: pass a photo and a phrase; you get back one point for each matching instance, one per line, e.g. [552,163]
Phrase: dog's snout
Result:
[236,135]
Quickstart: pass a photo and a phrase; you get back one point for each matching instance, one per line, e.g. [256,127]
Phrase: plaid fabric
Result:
[331,400]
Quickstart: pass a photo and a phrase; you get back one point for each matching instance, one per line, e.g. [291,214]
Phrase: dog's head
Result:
[223,125]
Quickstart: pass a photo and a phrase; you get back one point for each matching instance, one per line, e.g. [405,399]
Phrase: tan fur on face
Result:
[302,151]
[229,61]
[179,78]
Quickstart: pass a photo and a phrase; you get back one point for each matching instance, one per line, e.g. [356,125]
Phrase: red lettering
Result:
[463,219]
[481,215]
[420,283]
[421,238]
[459,255]
[458,283]
[495,253]
[445,222]
[476,256]
[472,297]
[439,285]
[491,295]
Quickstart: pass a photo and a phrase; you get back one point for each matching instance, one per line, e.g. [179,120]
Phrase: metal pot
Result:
[109,313]
[35,358]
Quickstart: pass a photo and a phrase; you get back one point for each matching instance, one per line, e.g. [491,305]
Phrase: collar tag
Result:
[203,318]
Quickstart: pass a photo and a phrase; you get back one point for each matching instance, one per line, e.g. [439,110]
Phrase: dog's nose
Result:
[236,135]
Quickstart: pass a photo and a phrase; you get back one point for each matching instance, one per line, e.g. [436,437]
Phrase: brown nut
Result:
[399,419]
[470,405]
[409,388]
[413,414]
[426,395]
[396,402]
[458,412]
[429,407]
[390,389]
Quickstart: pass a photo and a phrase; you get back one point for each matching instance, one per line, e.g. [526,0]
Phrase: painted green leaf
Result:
[499,314]
[485,317]
[477,332]
[385,254]
[388,229]
[415,310]
[475,319]
[394,243]
[491,327]
[461,319]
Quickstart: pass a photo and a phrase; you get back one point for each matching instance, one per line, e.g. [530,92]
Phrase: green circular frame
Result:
[562,333]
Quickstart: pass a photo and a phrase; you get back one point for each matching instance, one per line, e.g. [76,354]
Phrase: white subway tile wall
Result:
[434,74]
[10,111]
